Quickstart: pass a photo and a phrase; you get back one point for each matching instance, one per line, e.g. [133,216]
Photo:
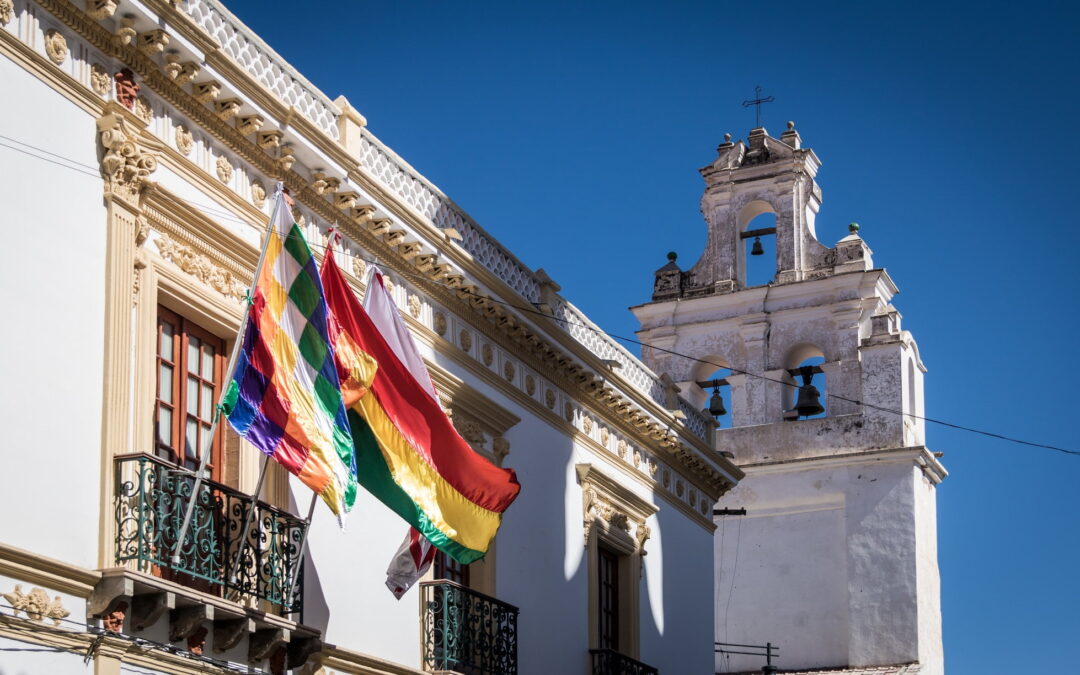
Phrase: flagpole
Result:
[279,199]
[303,545]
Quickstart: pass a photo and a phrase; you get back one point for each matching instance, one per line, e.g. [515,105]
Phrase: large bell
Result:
[808,403]
[757,248]
[716,404]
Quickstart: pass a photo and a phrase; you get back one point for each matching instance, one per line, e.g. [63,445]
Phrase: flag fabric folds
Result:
[414,556]
[407,452]
[285,396]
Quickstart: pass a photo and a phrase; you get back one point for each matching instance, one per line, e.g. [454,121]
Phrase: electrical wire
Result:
[84,169]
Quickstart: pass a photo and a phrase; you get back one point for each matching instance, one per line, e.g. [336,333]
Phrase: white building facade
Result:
[142,141]
[835,559]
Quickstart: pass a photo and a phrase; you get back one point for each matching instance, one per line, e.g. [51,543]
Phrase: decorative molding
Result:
[414,306]
[124,164]
[56,46]
[7,11]
[606,500]
[36,604]
[184,140]
[224,169]
[100,81]
[439,322]
[258,194]
[142,109]
[201,267]
[37,569]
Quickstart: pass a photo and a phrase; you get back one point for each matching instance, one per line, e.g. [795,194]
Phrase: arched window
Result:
[803,366]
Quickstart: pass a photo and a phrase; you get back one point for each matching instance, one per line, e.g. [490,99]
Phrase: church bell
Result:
[757,248]
[808,402]
[716,404]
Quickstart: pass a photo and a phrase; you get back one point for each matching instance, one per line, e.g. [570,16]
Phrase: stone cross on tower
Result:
[840,509]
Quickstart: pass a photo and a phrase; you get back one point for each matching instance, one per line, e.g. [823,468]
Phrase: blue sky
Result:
[573,132]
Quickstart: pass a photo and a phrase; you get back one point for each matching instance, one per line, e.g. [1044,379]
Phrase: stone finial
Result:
[791,126]
[853,228]
[727,138]
[672,256]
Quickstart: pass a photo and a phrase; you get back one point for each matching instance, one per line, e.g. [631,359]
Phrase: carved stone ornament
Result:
[604,436]
[530,385]
[126,87]
[414,306]
[7,11]
[549,399]
[184,140]
[201,267]
[653,468]
[100,81]
[637,458]
[469,429]
[693,499]
[587,424]
[642,534]
[666,478]
[142,109]
[258,194]
[508,371]
[124,164]
[125,32]
[486,355]
[224,170]
[679,488]
[568,412]
[56,46]
[440,323]
[100,9]
[620,447]
[36,604]
[359,267]
[501,448]
[465,339]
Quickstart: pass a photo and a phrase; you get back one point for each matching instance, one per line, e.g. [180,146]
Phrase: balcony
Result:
[467,632]
[611,662]
[151,498]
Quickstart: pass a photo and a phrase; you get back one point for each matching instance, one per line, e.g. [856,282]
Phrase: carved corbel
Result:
[264,642]
[206,91]
[249,124]
[228,634]
[153,41]
[500,447]
[227,108]
[361,215]
[425,262]
[146,609]
[641,535]
[455,280]
[125,32]
[324,184]
[189,70]
[268,140]
[100,9]
[590,509]
[124,164]
[286,160]
[184,621]
[346,200]
[411,249]
[395,237]
[380,226]
[441,271]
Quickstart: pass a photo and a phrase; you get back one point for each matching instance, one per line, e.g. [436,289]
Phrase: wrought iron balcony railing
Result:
[611,662]
[467,632]
[151,497]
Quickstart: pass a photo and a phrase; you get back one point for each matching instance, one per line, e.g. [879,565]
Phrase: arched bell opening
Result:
[805,391]
[757,244]
[716,391]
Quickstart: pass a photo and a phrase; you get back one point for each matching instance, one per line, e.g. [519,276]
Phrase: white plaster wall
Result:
[826,566]
[52,283]
[13,661]
[676,615]
[929,578]
[781,570]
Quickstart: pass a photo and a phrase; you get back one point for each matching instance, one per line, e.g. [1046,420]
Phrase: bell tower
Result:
[838,561]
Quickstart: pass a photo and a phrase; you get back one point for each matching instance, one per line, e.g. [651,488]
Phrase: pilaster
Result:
[126,168]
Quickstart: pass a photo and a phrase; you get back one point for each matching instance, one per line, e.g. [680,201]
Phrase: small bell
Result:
[757,248]
[716,404]
[808,402]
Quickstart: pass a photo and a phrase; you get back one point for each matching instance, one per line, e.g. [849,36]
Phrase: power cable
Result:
[82,168]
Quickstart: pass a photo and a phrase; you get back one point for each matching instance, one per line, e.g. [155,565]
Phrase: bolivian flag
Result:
[408,454]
